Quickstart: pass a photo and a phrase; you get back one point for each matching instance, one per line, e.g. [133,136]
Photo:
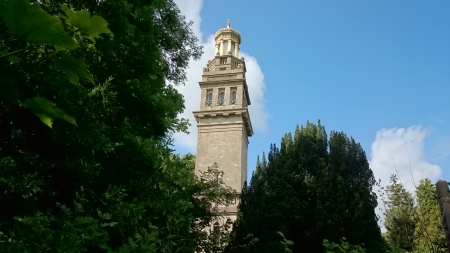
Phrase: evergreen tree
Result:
[400,214]
[429,237]
[312,188]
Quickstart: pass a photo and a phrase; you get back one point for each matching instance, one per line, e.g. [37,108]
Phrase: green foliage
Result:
[429,236]
[84,25]
[391,245]
[32,24]
[413,228]
[342,247]
[111,184]
[47,111]
[14,59]
[72,67]
[286,245]
[400,215]
[314,187]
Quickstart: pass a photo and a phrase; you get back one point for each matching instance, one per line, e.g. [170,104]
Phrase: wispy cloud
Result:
[401,151]
[191,90]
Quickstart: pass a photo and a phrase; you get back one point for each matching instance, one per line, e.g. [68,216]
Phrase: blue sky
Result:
[376,70]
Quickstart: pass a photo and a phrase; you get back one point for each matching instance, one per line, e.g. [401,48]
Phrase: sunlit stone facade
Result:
[223,121]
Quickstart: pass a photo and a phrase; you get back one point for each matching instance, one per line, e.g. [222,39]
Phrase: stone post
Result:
[443,196]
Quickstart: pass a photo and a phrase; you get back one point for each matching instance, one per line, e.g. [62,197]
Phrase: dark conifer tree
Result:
[311,188]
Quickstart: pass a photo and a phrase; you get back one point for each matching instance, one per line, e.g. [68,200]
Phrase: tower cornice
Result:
[243,112]
[225,62]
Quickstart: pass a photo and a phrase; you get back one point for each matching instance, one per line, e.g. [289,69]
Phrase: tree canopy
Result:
[312,188]
[413,226]
[88,107]
[400,215]
[429,236]
[107,182]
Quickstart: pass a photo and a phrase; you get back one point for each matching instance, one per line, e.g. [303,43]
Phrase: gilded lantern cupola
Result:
[227,41]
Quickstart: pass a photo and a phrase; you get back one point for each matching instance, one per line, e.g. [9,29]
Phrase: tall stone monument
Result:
[223,121]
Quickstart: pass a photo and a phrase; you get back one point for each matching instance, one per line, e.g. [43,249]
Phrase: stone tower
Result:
[223,121]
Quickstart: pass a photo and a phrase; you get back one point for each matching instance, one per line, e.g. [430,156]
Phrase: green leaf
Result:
[73,68]
[110,224]
[47,111]
[14,59]
[30,21]
[45,119]
[90,27]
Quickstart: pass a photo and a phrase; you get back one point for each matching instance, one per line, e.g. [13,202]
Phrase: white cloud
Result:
[191,10]
[405,148]
[256,89]
[191,90]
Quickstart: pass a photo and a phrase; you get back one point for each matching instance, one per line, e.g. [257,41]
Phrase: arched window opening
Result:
[221,98]
[209,98]
[233,98]
[218,175]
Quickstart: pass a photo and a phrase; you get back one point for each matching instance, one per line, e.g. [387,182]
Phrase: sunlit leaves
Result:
[31,22]
[122,138]
[428,235]
[400,215]
[89,27]
[342,247]
[47,111]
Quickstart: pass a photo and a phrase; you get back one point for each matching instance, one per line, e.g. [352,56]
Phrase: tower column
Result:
[227,95]
[221,47]
[229,46]
[203,99]
[217,49]
[236,50]
[215,96]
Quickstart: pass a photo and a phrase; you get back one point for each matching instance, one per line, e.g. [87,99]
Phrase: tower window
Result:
[221,99]
[209,99]
[217,176]
[233,98]
[216,227]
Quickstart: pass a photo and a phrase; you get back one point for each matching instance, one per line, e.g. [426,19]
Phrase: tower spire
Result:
[228,23]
